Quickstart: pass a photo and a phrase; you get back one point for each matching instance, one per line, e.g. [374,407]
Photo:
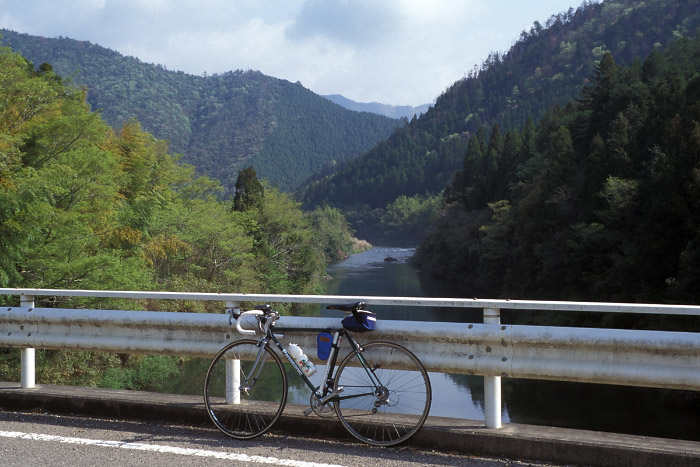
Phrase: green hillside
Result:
[548,65]
[598,201]
[220,123]
[85,207]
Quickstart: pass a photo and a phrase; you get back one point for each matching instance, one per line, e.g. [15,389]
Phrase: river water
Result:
[651,412]
[368,274]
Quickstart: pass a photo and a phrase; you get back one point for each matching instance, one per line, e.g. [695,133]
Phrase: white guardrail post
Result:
[492,384]
[28,358]
[233,366]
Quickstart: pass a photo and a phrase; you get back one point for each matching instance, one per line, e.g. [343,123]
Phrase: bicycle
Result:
[245,389]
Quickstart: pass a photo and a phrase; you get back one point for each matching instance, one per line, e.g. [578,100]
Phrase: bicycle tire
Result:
[394,413]
[259,405]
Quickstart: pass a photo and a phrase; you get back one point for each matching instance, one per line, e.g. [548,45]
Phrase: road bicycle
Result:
[380,391]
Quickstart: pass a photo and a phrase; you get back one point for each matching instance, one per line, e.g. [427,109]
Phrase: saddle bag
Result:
[360,321]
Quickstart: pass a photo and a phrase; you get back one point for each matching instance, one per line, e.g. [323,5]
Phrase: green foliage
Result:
[406,219]
[83,206]
[72,367]
[333,232]
[221,123]
[546,67]
[602,205]
[10,365]
[142,373]
[285,242]
[250,193]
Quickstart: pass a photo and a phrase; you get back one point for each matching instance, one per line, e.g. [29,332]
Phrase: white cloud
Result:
[150,6]
[357,23]
[390,51]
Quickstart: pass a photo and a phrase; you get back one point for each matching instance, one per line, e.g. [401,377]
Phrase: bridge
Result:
[659,359]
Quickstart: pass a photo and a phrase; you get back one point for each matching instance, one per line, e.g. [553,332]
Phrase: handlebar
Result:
[240,317]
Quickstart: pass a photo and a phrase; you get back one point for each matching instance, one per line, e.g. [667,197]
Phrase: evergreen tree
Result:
[602,203]
[250,193]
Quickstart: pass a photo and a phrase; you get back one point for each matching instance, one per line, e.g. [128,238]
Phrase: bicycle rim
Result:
[392,411]
[254,397]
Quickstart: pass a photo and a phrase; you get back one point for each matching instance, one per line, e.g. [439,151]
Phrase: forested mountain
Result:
[598,201]
[393,111]
[548,65]
[220,123]
[83,206]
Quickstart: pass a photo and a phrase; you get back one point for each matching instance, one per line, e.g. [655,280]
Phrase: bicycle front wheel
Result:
[385,395]
[245,390]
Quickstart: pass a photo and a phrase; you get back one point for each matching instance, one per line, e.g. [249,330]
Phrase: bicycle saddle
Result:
[354,306]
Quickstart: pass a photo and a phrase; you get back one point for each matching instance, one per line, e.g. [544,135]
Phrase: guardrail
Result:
[658,359]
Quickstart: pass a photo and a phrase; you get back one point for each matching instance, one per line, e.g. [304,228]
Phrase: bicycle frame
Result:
[355,386]
[321,392]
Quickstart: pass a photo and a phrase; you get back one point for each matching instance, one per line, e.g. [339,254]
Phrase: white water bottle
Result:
[301,360]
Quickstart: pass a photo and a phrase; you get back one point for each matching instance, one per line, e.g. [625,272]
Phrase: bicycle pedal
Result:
[307,411]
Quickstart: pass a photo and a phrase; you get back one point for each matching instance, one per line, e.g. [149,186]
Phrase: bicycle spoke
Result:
[379,405]
[239,406]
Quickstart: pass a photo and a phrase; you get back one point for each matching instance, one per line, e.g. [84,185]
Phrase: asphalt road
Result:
[42,439]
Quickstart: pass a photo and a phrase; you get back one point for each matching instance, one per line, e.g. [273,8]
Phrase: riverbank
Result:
[359,246]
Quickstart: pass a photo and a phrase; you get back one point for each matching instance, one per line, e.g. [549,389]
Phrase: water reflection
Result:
[387,272]
[370,274]
[645,411]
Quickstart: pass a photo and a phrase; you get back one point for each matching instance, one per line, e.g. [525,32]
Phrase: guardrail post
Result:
[233,381]
[28,357]
[233,308]
[233,366]
[492,384]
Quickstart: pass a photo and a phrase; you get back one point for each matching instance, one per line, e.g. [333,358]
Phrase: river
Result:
[642,411]
[368,274]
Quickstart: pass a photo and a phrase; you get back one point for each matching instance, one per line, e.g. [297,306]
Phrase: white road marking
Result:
[164,449]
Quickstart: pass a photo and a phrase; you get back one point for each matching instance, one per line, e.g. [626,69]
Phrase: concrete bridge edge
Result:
[513,441]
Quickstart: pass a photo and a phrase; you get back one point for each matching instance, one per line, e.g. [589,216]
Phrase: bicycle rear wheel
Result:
[378,405]
[244,398]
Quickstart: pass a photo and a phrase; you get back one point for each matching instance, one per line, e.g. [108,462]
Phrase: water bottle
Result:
[301,360]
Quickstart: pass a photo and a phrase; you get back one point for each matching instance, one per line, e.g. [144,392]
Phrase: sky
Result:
[399,52]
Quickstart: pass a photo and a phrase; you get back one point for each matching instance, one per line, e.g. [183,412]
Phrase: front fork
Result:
[236,382]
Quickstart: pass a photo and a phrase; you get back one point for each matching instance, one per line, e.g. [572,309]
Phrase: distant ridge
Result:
[220,123]
[391,111]
[547,66]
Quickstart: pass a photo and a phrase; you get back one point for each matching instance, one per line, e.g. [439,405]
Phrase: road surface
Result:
[42,439]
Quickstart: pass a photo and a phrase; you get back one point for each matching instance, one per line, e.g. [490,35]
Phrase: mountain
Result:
[220,123]
[391,111]
[600,200]
[548,65]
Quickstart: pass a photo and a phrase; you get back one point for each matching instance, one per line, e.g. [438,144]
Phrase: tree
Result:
[250,193]
[333,232]
[472,171]
[289,257]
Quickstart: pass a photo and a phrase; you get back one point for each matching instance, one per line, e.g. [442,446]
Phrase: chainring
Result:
[326,410]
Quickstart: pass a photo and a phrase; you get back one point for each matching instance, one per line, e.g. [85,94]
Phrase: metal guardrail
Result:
[626,357]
